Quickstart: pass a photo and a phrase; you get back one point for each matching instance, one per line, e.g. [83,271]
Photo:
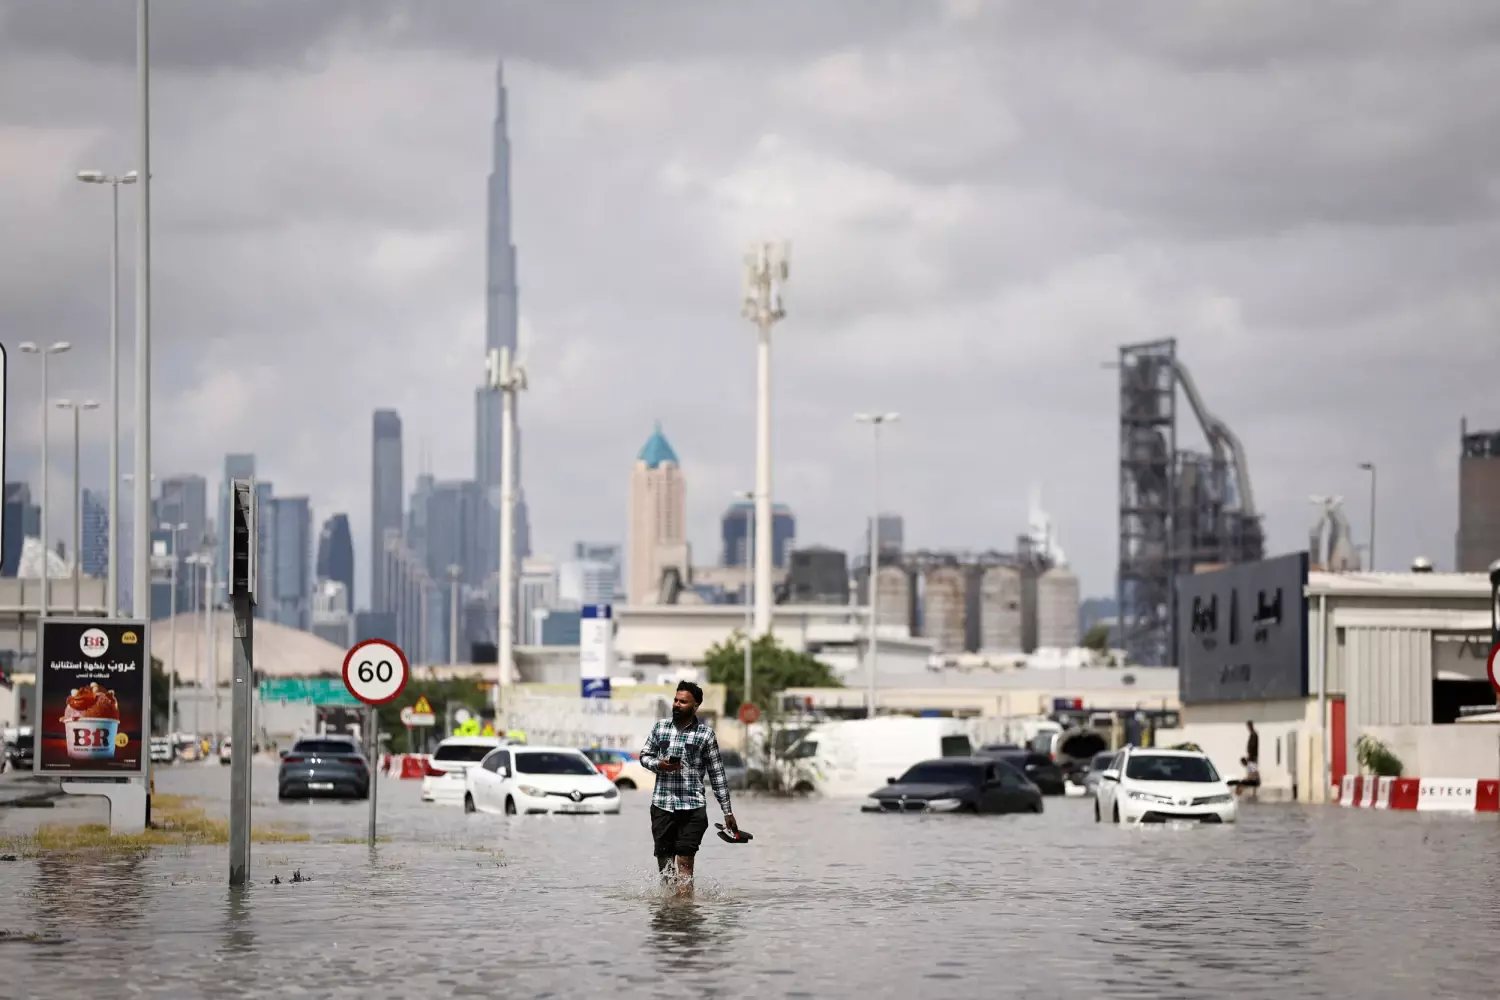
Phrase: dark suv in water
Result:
[323,766]
[1038,767]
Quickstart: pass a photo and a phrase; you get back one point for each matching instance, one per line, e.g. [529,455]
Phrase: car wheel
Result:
[1117,812]
[1098,816]
[625,784]
[469,803]
[510,806]
[803,788]
[1038,809]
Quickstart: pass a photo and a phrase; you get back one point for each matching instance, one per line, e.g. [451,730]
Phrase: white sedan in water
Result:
[521,780]
[1143,785]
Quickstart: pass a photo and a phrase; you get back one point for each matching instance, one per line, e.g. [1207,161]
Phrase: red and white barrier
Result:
[1464,795]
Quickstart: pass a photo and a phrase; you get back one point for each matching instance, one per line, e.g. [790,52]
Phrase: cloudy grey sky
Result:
[985,199]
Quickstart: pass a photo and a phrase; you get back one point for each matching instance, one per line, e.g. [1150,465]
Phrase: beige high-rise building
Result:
[658,520]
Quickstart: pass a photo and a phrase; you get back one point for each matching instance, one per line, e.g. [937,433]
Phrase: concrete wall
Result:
[1456,751]
[684,633]
[1289,736]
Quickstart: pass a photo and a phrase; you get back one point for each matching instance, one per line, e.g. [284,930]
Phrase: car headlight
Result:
[531,790]
[1216,800]
[944,805]
[613,793]
[1148,797]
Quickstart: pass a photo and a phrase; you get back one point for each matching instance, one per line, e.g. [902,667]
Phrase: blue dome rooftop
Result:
[656,450]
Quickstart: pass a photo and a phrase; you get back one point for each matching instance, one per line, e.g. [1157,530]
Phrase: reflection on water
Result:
[826,903]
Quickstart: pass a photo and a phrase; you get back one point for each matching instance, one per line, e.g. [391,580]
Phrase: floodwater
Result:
[826,902]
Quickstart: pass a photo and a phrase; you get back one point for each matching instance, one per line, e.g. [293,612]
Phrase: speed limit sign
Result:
[375,671]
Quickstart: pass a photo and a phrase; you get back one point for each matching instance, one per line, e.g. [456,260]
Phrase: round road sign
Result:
[749,714]
[407,714]
[1494,667]
[375,671]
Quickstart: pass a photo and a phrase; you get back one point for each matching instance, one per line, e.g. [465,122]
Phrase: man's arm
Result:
[649,760]
[716,777]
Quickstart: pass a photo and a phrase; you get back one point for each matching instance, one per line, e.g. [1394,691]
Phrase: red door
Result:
[1339,755]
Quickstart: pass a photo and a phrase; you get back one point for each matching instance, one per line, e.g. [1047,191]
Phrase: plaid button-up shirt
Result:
[697,748]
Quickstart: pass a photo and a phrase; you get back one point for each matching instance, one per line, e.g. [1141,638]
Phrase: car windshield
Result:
[1101,761]
[940,773]
[732,758]
[553,763]
[461,753]
[1158,767]
[321,746]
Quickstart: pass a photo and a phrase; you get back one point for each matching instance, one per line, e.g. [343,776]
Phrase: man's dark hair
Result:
[692,689]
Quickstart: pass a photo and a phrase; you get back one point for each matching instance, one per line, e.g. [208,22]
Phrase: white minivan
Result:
[851,758]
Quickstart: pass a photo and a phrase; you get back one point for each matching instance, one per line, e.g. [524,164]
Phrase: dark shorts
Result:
[678,834]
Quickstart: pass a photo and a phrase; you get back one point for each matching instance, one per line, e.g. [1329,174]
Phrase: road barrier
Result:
[1458,795]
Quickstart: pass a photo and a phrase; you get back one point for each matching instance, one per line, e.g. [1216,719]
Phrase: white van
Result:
[851,759]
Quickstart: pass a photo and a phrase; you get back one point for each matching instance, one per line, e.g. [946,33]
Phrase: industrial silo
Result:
[893,597]
[1000,610]
[1057,609]
[943,608]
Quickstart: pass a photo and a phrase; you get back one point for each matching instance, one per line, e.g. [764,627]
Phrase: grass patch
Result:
[360,840]
[176,822]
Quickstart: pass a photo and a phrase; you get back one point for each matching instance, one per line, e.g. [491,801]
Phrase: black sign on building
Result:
[1242,632]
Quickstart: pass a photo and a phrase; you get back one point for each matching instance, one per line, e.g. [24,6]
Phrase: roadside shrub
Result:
[1377,758]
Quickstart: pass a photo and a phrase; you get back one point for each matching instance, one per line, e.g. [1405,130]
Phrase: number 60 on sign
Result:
[375,671]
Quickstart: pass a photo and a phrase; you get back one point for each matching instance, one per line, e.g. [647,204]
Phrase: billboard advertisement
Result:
[92,682]
[596,648]
[1242,632]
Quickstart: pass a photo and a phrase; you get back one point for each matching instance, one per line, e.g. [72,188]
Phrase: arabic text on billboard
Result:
[91,717]
[1243,632]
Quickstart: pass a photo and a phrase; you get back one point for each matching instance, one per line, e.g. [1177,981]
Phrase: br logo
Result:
[96,739]
[94,643]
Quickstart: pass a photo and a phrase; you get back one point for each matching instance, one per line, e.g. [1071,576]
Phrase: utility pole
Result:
[242,569]
[872,662]
[141,599]
[505,376]
[767,267]
[454,572]
[176,530]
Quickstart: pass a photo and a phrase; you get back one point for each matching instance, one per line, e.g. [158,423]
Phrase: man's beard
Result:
[680,714]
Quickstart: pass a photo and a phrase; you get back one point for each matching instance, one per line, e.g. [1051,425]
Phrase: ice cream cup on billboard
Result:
[91,739]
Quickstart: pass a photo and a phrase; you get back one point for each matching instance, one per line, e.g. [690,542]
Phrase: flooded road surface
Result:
[826,902]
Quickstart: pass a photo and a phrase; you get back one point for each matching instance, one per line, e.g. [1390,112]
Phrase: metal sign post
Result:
[242,567]
[375,672]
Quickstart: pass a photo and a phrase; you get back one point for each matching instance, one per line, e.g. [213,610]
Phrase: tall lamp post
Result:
[176,530]
[129,477]
[112,601]
[77,408]
[200,602]
[507,377]
[455,573]
[767,267]
[61,347]
[876,421]
[1370,468]
[749,602]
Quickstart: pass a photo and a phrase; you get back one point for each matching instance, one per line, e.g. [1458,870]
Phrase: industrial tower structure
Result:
[1180,511]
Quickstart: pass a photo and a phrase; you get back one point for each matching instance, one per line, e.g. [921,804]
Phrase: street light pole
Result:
[61,347]
[112,601]
[176,530]
[77,408]
[1370,468]
[876,421]
[749,603]
[509,378]
[454,572]
[767,267]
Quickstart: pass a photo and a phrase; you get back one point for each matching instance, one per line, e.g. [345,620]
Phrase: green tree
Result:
[773,669]
[161,697]
[1097,638]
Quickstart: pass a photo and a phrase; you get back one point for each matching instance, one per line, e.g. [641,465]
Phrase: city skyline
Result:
[971,270]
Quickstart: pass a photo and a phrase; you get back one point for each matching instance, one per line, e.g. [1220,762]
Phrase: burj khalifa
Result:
[501,322]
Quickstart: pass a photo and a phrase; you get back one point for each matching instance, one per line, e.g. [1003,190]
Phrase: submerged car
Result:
[1097,767]
[1037,767]
[526,780]
[1161,786]
[323,766]
[443,772]
[958,784]
[622,767]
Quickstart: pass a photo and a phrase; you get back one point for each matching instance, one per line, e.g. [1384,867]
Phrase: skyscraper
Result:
[501,324]
[23,520]
[452,520]
[385,497]
[734,529]
[94,550]
[336,556]
[184,500]
[658,514]
[290,596]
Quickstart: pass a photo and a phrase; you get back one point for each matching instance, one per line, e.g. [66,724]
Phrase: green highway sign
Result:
[317,690]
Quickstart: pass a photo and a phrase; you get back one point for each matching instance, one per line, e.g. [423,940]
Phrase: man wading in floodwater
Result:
[681,751]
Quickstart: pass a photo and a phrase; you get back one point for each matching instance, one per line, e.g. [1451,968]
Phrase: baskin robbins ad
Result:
[92,702]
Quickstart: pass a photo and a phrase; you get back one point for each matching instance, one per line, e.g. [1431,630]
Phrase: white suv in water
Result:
[1144,785]
[443,772]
